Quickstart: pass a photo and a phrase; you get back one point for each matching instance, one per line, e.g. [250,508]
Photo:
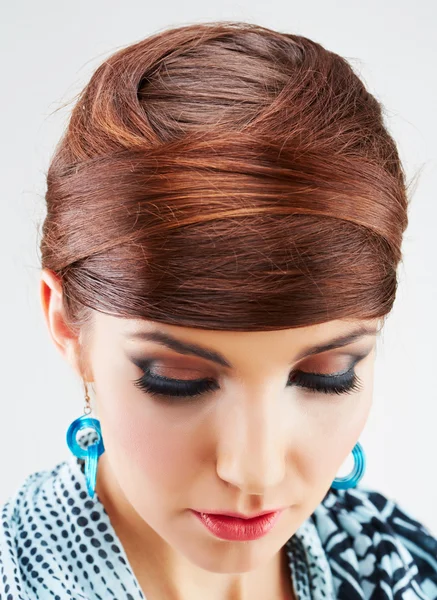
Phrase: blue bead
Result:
[91,453]
[84,422]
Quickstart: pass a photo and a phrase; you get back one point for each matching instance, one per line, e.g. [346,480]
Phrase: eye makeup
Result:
[343,382]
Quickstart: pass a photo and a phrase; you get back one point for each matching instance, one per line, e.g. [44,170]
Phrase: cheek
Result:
[157,451]
[330,429]
[148,446]
[147,443]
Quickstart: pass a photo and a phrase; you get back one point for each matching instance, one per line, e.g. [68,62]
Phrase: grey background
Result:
[48,52]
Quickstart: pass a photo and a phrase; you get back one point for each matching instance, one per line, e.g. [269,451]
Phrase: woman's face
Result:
[252,439]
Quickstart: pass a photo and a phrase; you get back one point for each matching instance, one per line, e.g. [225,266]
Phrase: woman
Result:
[224,223]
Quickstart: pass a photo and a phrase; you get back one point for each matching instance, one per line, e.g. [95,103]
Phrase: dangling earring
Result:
[93,451]
[351,481]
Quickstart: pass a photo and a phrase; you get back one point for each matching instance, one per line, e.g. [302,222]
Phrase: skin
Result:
[253,444]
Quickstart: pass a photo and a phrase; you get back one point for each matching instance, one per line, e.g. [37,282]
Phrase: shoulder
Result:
[57,542]
[374,544]
[34,490]
[24,553]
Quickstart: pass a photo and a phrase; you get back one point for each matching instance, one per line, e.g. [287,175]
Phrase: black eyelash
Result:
[342,383]
[161,386]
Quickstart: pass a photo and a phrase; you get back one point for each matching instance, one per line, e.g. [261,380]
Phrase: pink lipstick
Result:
[237,529]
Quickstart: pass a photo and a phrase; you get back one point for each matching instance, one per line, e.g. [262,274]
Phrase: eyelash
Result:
[343,383]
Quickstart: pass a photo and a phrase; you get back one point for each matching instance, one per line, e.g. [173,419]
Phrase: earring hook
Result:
[87,408]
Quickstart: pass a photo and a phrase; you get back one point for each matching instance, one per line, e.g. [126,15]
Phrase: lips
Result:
[238,529]
[240,515]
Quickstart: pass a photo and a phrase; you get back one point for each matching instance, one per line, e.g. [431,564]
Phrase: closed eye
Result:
[345,382]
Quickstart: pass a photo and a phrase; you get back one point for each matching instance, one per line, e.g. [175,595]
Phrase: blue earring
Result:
[351,481]
[92,452]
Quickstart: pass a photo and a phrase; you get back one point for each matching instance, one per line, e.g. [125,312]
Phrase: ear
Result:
[66,340]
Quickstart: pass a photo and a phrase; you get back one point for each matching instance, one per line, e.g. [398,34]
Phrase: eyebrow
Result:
[165,339]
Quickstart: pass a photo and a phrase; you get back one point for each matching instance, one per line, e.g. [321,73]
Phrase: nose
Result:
[251,452]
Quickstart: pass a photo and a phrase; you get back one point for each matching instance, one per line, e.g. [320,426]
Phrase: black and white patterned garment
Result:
[56,543]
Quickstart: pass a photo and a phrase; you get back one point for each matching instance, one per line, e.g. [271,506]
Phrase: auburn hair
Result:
[227,176]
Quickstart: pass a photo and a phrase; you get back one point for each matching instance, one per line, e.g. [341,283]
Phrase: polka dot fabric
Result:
[57,543]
